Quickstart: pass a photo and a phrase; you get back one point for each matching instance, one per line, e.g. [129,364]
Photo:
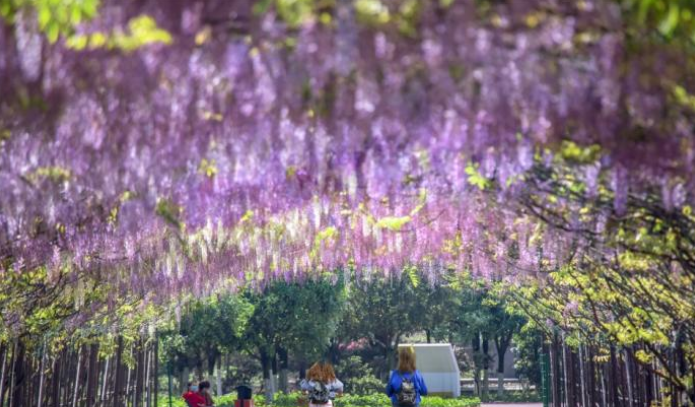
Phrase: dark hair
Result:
[190,384]
[204,385]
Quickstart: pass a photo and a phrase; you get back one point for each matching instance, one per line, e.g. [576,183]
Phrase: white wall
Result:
[438,366]
[443,383]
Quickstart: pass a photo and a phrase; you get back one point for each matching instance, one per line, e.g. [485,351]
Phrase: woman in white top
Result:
[321,386]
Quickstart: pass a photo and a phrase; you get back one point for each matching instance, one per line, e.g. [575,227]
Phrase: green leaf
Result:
[372,12]
[44,17]
[77,42]
[644,7]
[52,32]
[413,276]
[169,211]
[575,153]
[683,97]
[393,223]
[475,177]
[261,7]
[670,22]
[76,16]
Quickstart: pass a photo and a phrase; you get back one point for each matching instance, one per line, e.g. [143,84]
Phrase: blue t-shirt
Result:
[396,380]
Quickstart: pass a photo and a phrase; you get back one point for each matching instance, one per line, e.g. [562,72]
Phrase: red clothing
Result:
[208,399]
[194,399]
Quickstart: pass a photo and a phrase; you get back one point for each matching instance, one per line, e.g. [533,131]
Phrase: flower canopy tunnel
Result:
[155,149]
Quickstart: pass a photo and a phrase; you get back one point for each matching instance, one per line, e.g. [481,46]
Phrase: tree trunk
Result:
[41,375]
[267,381]
[284,367]
[501,344]
[628,377]
[334,351]
[117,392]
[582,375]
[146,377]
[29,385]
[18,377]
[5,350]
[604,397]
[218,376]
[302,370]
[139,375]
[212,362]
[185,375]
[93,374]
[477,362]
[274,372]
[105,379]
[156,370]
[569,380]
[57,375]
[77,378]
[555,371]
[486,368]
[613,389]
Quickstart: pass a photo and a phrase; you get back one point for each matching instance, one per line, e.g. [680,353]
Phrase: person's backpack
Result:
[319,394]
[407,396]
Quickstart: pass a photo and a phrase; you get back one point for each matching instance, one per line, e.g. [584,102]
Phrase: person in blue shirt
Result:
[406,384]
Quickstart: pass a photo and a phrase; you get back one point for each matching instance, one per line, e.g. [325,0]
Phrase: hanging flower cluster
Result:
[193,144]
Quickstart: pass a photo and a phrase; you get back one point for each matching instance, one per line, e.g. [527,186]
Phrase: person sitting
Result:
[205,393]
[321,385]
[192,397]
[406,384]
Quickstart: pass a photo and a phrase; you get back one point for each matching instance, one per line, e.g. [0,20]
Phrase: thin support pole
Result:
[2,375]
[77,378]
[41,374]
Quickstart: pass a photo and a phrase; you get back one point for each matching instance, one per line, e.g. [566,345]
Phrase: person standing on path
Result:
[192,397]
[321,385]
[205,393]
[406,385]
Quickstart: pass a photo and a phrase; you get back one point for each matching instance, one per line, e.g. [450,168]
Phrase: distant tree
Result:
[503,326]
[208,328]
[381,312]
[297,318]
[528,342]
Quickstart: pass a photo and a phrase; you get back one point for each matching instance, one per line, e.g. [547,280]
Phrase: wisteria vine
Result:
[187,145]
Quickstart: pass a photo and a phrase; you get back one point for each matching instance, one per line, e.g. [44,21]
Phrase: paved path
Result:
[511,405]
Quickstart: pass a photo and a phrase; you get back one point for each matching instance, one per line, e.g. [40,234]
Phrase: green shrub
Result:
[358,376]
[362,401]
[443,402]
[348,400]
[368,384]
[176,401]
[515,396]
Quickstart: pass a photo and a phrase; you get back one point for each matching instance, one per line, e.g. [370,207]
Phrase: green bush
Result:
[348,400]
[176,401]
[515,396]
[358,376]
[443,402]
[362,401]
[373,400]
